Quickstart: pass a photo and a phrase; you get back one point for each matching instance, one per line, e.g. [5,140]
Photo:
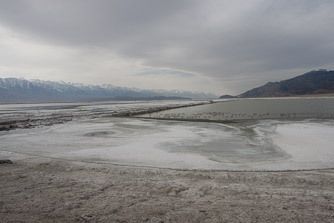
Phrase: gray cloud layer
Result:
[236,43]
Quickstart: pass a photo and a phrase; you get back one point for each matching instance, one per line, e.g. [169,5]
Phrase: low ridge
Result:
[314,82]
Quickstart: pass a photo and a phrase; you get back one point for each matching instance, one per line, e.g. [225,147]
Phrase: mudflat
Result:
[38,189]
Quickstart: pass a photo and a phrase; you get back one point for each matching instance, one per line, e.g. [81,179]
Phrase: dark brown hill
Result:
[314,82]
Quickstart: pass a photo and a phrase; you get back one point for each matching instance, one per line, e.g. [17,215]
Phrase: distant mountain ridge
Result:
[314,82]
[14,90]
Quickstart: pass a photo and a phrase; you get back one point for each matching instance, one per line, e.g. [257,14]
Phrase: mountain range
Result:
[311,83]
[15,90]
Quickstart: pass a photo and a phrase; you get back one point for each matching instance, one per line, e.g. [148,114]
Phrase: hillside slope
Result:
[314,82]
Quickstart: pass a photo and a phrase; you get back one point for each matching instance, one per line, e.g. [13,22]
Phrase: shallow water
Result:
[254,109]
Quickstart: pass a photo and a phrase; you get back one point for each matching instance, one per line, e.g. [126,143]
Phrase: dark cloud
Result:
[233,41]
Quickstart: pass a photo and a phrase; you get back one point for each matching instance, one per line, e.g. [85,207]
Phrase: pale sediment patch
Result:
[259,146]
[306,142]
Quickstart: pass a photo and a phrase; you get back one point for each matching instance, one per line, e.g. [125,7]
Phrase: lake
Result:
[254,109]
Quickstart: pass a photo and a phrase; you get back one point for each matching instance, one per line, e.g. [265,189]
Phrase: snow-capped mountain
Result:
[14,90]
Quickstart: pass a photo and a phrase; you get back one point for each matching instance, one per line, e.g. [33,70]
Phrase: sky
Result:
[214,46]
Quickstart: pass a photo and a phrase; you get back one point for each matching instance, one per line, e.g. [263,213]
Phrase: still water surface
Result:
[248,109]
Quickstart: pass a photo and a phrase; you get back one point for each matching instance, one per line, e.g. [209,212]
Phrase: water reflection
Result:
[254,109]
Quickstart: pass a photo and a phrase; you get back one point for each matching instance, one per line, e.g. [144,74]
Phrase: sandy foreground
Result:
[38,189]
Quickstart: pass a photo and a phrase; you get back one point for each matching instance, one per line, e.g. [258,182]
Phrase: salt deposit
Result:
[264,145]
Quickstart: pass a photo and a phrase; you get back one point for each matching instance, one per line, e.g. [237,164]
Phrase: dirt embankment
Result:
[43,190]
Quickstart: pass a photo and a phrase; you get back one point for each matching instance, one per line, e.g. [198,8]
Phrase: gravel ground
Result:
[45,190]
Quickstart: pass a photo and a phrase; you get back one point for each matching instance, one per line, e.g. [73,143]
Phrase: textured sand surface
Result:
[45,190]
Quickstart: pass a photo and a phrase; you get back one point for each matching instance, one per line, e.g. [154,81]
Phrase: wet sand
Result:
[48,190]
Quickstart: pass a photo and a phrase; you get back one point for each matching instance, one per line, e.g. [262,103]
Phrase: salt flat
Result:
[265,145]
[93,167]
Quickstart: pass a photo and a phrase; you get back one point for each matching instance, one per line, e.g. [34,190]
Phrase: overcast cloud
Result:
[223,46]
